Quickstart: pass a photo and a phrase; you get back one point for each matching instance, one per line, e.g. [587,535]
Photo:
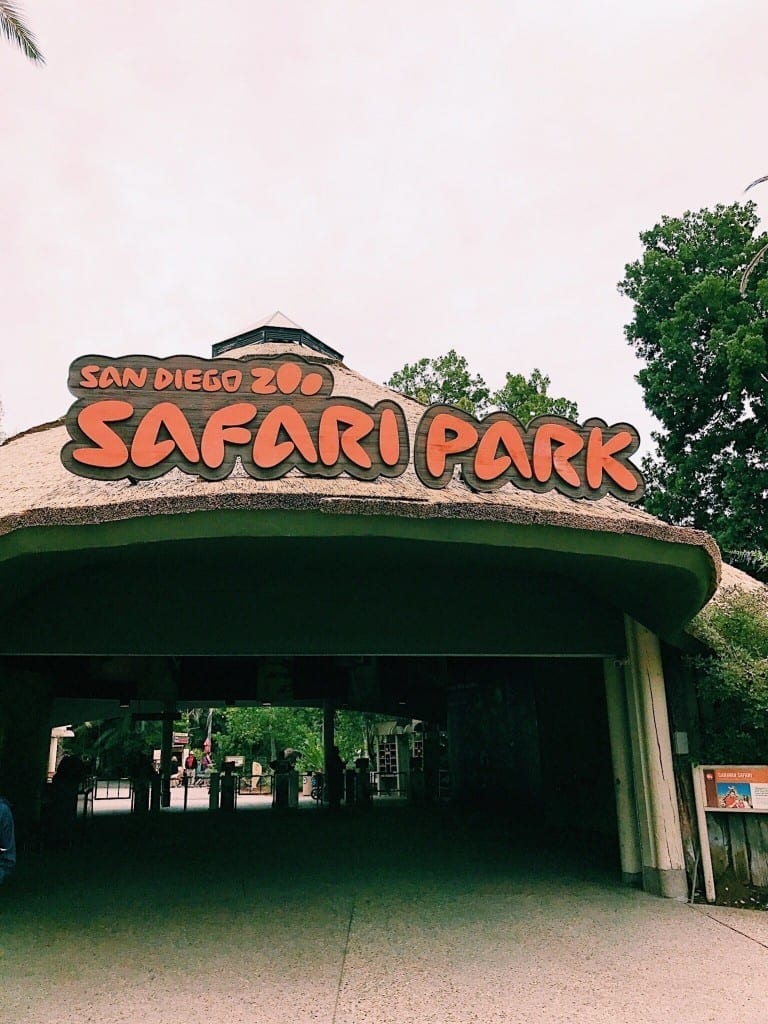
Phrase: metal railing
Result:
[85,798]
[112,789]
[389,784]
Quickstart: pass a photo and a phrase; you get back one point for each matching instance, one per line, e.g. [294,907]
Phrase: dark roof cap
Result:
[277,328]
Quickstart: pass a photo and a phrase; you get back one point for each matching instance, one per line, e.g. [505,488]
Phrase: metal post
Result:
[166,745]
[213,792]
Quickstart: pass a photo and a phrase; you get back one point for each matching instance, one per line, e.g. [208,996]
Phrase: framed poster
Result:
[741,788]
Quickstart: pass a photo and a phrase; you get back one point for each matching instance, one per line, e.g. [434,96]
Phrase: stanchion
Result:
[213,792]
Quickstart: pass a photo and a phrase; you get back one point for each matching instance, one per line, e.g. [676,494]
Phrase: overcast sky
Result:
[398,178]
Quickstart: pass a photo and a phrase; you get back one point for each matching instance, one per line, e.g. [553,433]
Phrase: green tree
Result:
[528,398]
[16,32]
[732,678]
[114,744]
[448,380]
[258,733]
[442,380]
[705,375]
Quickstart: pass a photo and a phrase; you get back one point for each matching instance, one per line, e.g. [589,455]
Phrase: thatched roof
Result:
[36,489]
[733,580]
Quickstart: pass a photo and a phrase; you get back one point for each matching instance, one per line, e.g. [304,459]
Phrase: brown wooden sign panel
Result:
[583,461]
[137,417]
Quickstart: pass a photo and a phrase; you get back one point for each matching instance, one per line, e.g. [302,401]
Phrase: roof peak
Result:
[277,319]
[278,328]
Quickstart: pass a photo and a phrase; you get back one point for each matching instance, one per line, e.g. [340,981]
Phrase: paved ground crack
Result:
[343,962]
[738,931]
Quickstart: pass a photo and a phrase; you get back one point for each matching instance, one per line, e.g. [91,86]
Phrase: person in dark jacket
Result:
[334,779]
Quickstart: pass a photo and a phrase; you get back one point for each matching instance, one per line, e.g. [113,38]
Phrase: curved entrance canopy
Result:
[184,566]
[289,581]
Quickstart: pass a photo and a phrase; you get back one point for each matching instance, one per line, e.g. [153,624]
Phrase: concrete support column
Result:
[329,735]
[431,764]
[166,746]
[403,764]
[463,741]
[623,776]
[53,756]
[655,792]
[493,738]
[25,731]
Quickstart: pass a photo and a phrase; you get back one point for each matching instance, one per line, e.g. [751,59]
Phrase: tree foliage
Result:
[258,733]
[732,678]
[443,380]
[114,746]
[526,398]
[448,380]
[706,373]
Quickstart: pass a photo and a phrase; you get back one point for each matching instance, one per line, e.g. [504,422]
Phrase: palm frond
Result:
[750,267]
[15,31]
[757,181]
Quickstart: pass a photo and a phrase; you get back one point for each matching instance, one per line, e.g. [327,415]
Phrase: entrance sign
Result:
[585,461]
[137,417]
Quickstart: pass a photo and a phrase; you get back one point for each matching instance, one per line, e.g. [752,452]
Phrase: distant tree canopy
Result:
[258,733]
[732,679]
[706,371]
[448,380]
[255,733]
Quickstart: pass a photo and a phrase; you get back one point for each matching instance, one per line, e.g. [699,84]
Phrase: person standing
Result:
[334,779]
[281,768]
[7,841]
[61,816]
[190,767]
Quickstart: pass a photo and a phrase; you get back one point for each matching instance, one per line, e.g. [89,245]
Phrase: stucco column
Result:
[623,780]
[656,796]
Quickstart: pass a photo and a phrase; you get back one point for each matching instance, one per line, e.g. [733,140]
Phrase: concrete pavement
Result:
[386,917]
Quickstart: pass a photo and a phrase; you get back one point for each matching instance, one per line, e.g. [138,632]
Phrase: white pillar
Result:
[623,780]
[656,795]
[53,755]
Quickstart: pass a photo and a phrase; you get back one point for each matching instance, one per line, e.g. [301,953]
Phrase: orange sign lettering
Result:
[138,417]
[584,461]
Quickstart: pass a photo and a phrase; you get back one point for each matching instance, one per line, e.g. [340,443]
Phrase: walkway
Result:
[389,917]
